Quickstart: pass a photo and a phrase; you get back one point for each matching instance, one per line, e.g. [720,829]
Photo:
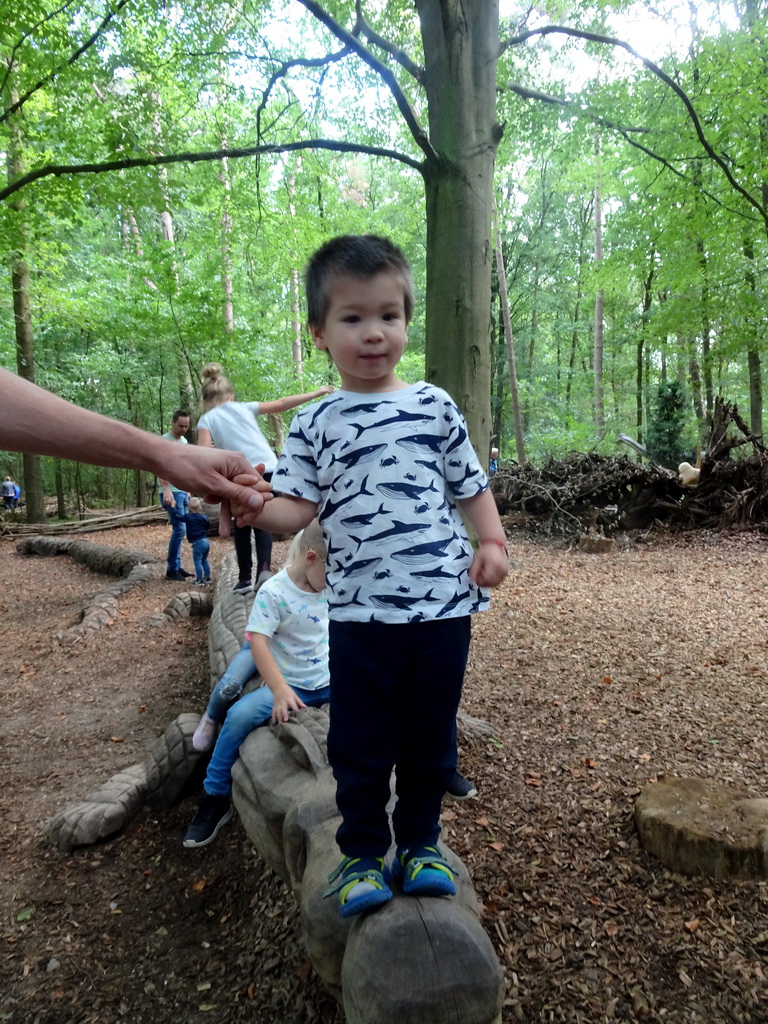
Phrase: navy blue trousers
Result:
[395,691]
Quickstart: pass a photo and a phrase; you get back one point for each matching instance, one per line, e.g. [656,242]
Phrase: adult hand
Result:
[246,513]
[220,476]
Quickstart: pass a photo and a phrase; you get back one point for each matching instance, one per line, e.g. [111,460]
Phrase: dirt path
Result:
[599,673]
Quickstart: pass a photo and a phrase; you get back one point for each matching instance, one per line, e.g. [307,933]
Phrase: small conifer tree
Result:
[666,435]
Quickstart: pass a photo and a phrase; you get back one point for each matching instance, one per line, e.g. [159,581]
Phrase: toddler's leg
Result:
[251,711]
[214,807]
[197,558]
[224,694]
[230,686]
[426,759]
[244,551]
[362,744]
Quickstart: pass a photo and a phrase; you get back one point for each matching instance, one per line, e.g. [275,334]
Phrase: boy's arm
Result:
[491,562]
[281,515]
[285,700]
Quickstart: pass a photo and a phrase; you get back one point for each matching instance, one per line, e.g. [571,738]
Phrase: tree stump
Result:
[698,827]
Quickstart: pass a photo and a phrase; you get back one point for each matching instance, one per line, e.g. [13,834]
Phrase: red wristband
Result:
[492,540]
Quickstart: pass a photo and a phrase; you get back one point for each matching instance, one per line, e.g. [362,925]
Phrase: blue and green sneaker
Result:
[423,871]
[361,884]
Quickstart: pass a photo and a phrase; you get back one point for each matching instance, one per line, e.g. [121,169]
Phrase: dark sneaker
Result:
[200,583]
[243,587]
[213,812]
[423,871]
[361,883]
[185,575]
[175,575]
[460,788]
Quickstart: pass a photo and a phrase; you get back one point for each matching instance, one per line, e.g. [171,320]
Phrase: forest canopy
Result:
[170,167]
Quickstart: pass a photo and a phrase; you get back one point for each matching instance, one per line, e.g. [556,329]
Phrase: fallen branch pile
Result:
[585,491]
[595,492]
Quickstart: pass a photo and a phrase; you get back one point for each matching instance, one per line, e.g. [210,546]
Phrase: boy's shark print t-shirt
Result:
[385,471]
[296,623]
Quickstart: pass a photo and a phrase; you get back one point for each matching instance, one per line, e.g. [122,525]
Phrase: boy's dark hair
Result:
[361,256]
[178,414]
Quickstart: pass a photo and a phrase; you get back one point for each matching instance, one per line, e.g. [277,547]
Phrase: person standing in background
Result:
[9,494]
[174,499]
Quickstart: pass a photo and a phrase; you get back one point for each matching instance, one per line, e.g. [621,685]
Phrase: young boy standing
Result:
[383,465]
[197,535]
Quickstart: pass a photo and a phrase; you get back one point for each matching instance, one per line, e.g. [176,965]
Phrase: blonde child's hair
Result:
[216,388]
[195,505]
[310,538]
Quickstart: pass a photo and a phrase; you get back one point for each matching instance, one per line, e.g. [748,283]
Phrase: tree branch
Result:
[399,55]
[57,171]
[11,59]
[420,136]
[670,82]
[542,97]
[9,111]
[285,67]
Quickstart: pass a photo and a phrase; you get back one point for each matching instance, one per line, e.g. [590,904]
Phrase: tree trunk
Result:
[461,52]
[186,387]
[298,356]
[640,362]
[752,315]
[706,330]
[510,343]
[228,309]
[599,316]
[22,316]
[61,505]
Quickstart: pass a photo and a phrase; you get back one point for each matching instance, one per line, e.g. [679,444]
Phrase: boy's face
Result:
[365,331]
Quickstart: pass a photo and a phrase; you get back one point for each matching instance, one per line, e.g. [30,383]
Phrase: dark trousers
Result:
[244,550]
[395,691]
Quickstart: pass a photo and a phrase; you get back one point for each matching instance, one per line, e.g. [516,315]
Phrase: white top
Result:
[296,622]
[385,470]
[233,425]
[174,489]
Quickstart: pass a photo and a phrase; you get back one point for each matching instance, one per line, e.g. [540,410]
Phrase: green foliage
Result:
[124,319]
[669,438]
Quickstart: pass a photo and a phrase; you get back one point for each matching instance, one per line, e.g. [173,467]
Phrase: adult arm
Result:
[37,422]
[491,562]
[285,700]
[291,401]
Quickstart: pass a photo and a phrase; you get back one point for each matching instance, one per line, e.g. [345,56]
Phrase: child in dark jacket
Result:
[197,535]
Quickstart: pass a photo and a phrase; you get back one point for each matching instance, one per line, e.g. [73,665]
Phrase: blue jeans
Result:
[251,711]
[200,549]
[231,684]
[178,529]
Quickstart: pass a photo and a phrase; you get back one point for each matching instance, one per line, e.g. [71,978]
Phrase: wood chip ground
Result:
[599,673]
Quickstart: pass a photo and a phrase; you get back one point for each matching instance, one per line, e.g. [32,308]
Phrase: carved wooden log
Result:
[413,960]
[169,770]
[102,609]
